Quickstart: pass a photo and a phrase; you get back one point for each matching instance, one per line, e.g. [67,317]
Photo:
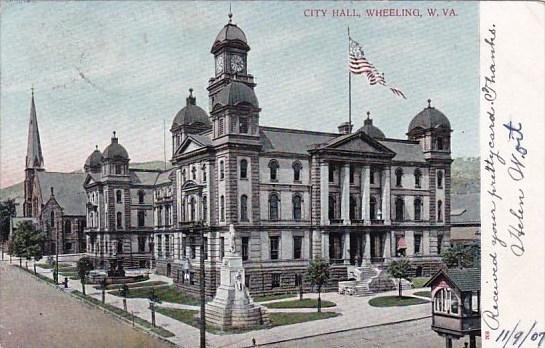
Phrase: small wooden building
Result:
[456,297]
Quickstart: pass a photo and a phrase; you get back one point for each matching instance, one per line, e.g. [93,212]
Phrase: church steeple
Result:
[34,158]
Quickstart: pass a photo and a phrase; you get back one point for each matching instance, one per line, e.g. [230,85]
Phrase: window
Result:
[373,208]
[141,244]
[118,198]
[439,243]
[331,173]
[243,208]
[297,207]
[141,218]
[275,243]
[440,179]
[297,167]
[205,251]
[352,170]
[167,246]
[440,143]
[204,178]
[67,227]
[275,283]
[273,206]
[439,210]
[399,209]
[417,209]
[159,246]
[118,169]
[244,169]
[297,247]
[353,207]
[220,126]
[119,246]
[273,167]
[192,209]
[119,219]
[245,249]
[417,177]
[222,247]
[222,170]
[445,301]
[399,176]
[67,246]
[204,209]
[160,217]
[372,176]
[243,125]
[194,173]
[141,196]
[417,243]
[222,208]
[331,207]
[192,247]
[298,280]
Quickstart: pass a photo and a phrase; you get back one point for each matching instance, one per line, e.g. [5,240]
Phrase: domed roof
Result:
[371,130]
[236,93]
[191,113]
[428,118]
[115,150]
[94,159]
[230,34]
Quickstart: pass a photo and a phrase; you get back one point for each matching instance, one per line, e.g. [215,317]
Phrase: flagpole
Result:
[349,88]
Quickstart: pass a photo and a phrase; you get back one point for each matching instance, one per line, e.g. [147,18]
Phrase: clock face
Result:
[237,63]
[219,64]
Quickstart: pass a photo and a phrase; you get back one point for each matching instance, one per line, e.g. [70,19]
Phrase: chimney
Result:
[345,128]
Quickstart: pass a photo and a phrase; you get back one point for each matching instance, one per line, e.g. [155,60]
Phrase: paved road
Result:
[414,334]
[34,315]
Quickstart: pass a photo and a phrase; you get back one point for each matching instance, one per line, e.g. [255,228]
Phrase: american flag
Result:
[359,65]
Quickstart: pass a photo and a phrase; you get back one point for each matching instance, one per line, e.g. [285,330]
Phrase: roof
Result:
[191,113]
[163,177]
[143,177]
[231,32]
[291,140]
[465,279]
[34,158]
[201,139]
[235,93]
[95,159]
[465,233]
[405,151]
[115,150]
[465,208]
[428,118]
[68,190]
[371,130]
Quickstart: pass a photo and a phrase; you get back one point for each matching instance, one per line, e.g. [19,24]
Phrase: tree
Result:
[27,242]
[462,256]
[399,269]
[7,211]
[84,267]
[318,275]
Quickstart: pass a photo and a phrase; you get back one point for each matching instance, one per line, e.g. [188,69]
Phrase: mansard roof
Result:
[143,177]
[405,151]
[291,140]
[68,190]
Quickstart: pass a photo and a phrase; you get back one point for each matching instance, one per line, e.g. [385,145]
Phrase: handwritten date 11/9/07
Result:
[517,337]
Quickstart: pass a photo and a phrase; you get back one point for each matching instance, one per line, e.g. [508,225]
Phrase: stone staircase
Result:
[368,280]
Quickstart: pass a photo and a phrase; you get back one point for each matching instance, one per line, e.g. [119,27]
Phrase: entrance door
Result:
[356,248]
[377,247]
[168,269]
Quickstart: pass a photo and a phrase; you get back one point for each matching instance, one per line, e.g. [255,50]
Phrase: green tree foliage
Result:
[84,267]
[467,255]
[7,211]
[399,269]
[318,275]
[27,242]
[465,175]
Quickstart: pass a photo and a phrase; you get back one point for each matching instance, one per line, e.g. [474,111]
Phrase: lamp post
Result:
[152,250]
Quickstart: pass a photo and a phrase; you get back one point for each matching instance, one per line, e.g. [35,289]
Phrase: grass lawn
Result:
[305,303]
[165,293]
[423,293]
[272,297]
[158,330]
[61,265]
[419,282]
[279,319]
[135,285]
[395,301]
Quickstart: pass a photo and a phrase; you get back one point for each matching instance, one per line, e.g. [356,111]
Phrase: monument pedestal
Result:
[232,307]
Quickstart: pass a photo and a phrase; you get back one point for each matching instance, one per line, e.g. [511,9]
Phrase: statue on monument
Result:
[232,247]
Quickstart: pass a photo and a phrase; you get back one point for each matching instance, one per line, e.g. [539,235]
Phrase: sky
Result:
[127,66]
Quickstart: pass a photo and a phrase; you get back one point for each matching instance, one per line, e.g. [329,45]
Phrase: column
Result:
[324,193]
[316,244]
[345,194]
[409,238]
[387,245]
[386,195]
[367,247]
[365,195]
[426,242]
[346,248]
[325,245]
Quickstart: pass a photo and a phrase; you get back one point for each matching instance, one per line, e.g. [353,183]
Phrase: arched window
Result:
[141,196]
[192,209]
[297,207]
[119,219]
[222,170]
[67,227]
[331,206]
[204,178]
[273,167]
[118,196]
[273,206]
[373,208]
[243,208]
[353,208]
[52,219]
[417,177]
[417,209]
[399,176]
[440,179]
[445,301]
[141,218]
[400,206]
[439,210]
[222,208]
[243,169]
[297,167]
[193,173]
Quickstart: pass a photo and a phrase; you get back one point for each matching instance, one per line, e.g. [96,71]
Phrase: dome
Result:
[370,130]
[230,32]
[236,93]
[428,118]
[191,113]
[95,159]
[115,151]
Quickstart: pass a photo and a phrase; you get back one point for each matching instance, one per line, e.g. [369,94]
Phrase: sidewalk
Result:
[355,313]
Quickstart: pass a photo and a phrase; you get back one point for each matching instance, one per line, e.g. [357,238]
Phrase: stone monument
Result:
[232,307]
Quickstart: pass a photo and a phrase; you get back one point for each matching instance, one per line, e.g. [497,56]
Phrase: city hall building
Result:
[294,195]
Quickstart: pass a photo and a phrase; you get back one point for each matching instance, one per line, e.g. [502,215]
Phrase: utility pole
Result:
[203,298]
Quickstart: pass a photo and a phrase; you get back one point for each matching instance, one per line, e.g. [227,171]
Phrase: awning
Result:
[401,243]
